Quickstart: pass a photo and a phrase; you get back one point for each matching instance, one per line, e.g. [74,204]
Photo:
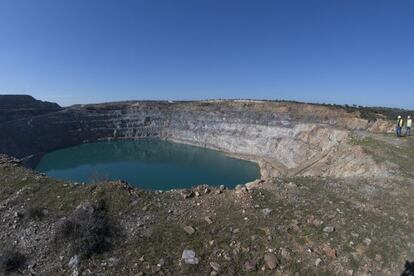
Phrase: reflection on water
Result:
[149,163]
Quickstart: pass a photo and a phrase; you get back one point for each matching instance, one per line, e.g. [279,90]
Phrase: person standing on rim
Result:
[400,124]
[408,125]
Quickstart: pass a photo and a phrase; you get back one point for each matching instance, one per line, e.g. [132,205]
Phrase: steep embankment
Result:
[284,138]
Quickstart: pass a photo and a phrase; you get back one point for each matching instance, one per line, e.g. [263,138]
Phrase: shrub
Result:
[11,260]
[87,230]
[35,213]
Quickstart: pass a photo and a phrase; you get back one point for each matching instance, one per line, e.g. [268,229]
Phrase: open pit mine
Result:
[333,193]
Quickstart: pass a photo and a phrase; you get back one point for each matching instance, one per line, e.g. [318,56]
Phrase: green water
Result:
[150,163]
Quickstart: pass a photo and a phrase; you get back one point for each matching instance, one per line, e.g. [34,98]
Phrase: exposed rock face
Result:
[284,148]
[382,126]
[284,138]
[14,107]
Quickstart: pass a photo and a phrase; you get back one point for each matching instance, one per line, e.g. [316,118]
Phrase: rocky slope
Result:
[14,107]
[284,138]
[276,226]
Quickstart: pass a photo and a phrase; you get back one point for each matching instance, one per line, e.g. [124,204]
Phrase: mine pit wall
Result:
[283,139]
[276,149]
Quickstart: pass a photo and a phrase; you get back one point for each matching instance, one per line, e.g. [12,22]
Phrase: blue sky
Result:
[333,51]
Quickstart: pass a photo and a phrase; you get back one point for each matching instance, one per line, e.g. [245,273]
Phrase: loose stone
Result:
[208,220]
[329,229]
[215,266]
[266,211]
[189,257]
[270,260]
[250,266]
[318,261]
[189,229]
[74,262]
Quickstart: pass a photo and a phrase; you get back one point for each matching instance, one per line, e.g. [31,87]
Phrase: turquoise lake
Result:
[149,163]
